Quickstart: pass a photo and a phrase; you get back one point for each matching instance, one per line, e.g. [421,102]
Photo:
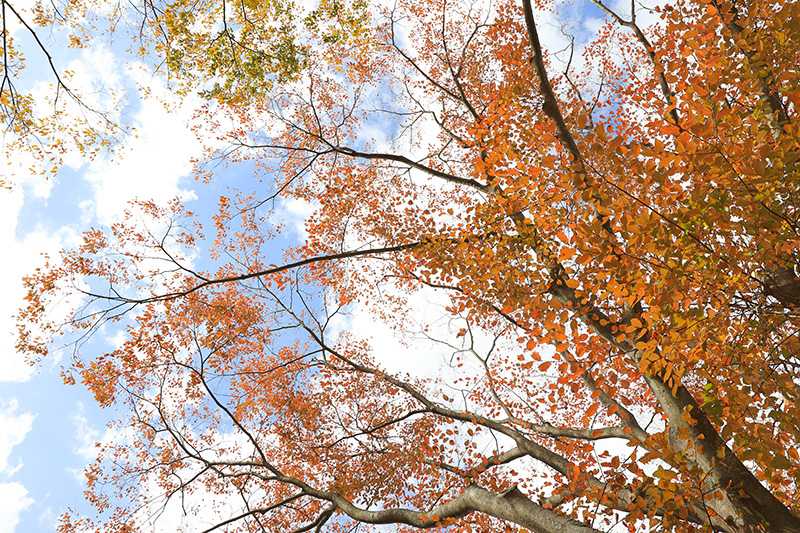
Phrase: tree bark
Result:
[511,506]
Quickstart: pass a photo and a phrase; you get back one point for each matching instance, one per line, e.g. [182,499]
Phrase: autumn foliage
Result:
[615,237]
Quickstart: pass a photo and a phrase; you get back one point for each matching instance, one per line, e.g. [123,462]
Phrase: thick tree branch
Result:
[513,506]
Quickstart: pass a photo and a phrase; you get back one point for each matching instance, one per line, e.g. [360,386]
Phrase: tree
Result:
[620,266]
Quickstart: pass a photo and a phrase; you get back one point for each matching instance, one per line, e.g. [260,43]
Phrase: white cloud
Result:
[199,506]
[88,439]
[294,213]
[152,161]
[196,509]
[14,367]
[14,426]
[48,519]
[86,436]
[25,9]
[420,342]
[404,350]
[15,500]
[593,24]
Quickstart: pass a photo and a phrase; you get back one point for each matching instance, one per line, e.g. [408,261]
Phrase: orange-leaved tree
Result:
[616,244]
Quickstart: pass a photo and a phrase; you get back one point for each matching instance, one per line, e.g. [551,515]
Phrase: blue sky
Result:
[47,429]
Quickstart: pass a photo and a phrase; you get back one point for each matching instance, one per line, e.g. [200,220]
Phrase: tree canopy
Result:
[614,234]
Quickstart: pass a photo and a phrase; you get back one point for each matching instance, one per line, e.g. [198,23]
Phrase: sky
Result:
[48,430]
